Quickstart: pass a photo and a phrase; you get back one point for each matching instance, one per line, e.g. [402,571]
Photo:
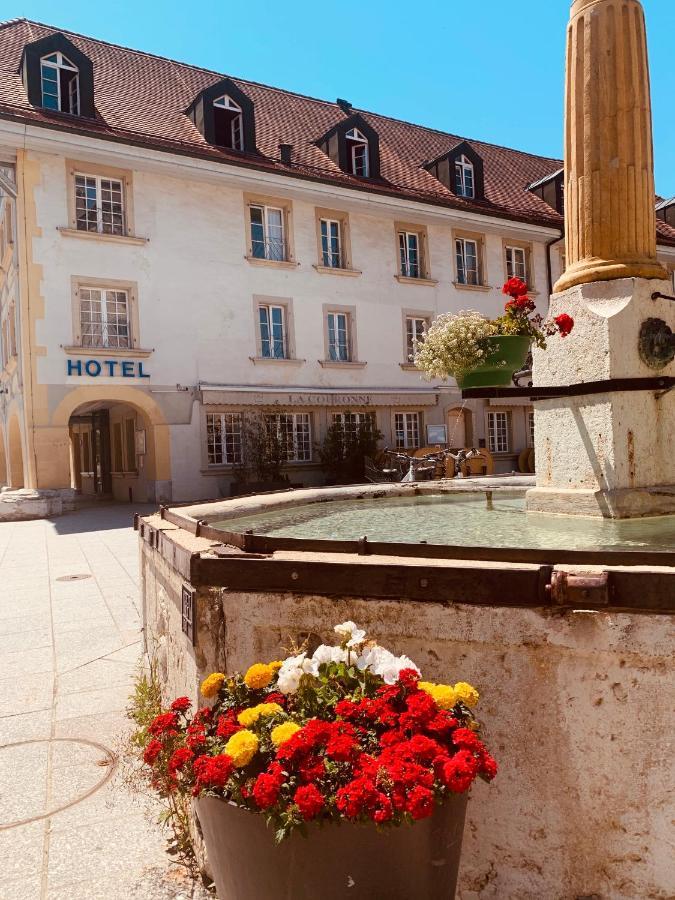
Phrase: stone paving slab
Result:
[70,651]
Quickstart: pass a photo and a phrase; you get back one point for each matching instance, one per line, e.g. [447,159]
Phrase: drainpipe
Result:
[549,271]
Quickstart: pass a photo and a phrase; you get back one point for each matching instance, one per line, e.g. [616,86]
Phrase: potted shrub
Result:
[348,736]
[482,352]
[264,454]
[345,447]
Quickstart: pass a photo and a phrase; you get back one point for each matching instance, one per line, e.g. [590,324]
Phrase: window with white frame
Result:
[351,422]
[268,239]
[498,432]
[464,177]
[293,432]
[223,438]
[272,331]
[59,80]
[415,327]
[407,430]
[357,147]
[516,263]
[468,261]
[409,252]
[338,326]
[104,317]
[228,123]
[331,244]
[99,204]
[530,427]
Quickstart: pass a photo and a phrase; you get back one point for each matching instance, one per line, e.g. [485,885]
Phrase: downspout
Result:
[549,269]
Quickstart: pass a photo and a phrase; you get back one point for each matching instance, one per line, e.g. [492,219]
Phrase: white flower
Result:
[291,671]
[383,663]
[350,631]
[326,654]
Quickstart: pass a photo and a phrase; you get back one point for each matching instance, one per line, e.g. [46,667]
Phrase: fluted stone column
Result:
[608,454]
[610,218]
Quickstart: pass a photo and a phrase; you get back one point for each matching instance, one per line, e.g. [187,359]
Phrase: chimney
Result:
[345,106]
[285,151]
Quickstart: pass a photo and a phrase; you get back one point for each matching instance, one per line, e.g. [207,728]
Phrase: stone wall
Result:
[574,705]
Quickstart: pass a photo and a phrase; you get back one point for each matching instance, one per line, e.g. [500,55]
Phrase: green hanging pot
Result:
[506,355]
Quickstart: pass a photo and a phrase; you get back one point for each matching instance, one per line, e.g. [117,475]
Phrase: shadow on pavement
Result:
[100,517]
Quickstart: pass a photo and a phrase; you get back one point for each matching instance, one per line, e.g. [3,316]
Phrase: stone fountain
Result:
[608,454]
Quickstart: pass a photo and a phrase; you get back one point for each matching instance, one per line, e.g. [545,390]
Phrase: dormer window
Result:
[354,147]
[224,115]
[228,122]
[357,144]
[464,177]
[58,76]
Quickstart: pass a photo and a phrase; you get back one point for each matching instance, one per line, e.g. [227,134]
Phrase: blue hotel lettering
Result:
[126,368]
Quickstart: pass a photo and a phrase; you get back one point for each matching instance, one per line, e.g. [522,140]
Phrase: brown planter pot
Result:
[334,862]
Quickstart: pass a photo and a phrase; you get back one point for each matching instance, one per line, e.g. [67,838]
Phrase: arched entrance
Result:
[460,428]
[119,446]
[15,453]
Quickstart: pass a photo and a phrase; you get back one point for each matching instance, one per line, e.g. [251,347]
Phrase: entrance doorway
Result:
[460,430]
[90,436]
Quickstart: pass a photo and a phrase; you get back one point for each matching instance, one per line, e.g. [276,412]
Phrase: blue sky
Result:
[486,69]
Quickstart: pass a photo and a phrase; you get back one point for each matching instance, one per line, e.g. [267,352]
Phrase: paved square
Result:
[70,643]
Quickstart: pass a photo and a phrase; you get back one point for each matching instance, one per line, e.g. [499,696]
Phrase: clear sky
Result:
[483,69]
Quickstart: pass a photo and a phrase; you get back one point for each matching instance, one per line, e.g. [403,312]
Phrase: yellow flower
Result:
[283,732]
[258,676]
[467,694]
[443,694]
[276,664]
[242,747]
[248,716]
[212,684]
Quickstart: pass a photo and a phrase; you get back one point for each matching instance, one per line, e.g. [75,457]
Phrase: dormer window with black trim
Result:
[224,116]
[228,123]
[464,178]
[354,147]
[358,153]
[60,84]
[461,171]
[58,77]
[551,189]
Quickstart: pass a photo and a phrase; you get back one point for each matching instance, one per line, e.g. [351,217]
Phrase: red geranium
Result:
[515,288]
[152,751]
[181,704]
[164,725]
[309,800]
[420,803]
[178,759]
[565,324]
[212,771]
[268,786]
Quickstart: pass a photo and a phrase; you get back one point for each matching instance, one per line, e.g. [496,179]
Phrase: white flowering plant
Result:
[349,732]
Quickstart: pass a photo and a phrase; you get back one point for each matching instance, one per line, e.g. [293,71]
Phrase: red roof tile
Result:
[142,99]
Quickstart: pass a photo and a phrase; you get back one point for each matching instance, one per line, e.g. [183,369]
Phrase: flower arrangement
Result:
[456,344]
[348,733]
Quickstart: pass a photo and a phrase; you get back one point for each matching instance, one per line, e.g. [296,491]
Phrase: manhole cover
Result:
[80,577]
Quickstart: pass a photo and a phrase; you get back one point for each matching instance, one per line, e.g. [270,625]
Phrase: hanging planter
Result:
[482,352]
[505,355]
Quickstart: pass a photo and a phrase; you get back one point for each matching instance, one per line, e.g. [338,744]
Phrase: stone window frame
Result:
[480,239]
[405,411]
[423,249]
[289,328]
[342,218]
[528,248]
[78,282]
[286,206]
[509,431]
[353,361]
[125,176]
[406,314]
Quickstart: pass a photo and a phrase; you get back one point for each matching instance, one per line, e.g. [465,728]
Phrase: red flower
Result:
[164,725]
[227,725]
[421,710]
[309,800]
[267,786]
[311,769]
[383,810]
[181,704]
[152,751]
[457,772]
[515,288]
[356,797]
[212,771]
[342,744]
[408,678]
[178,759]
[276,697]
[420,802]
[565,324]
[467,739]
[488,765]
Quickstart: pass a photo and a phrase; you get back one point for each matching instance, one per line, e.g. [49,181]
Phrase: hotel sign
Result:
[114,368]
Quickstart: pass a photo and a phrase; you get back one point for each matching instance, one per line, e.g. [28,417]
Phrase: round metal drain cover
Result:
[80,577]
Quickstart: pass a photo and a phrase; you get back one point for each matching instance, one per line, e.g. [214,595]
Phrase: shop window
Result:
[223,438]
[351,422]
[407,430]
[293,433]
[498,432]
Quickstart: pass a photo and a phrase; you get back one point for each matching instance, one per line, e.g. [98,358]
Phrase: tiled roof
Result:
[142,99]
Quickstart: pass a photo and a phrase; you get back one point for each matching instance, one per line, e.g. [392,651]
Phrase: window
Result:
[223,438]
[516,263]
[408,245]
[468,261]
[293,432]
[338,337]
[99,204]
[498,432]
[60,84]
[228,123]
[331,244]
[464,177]
[350,422]
[357,146]
[272,323]
[104,317]
[267,233]
[530,428]
[414,333]
[407,429]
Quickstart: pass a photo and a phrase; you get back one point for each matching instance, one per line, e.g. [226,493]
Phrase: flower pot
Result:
[335,861]
[506,355]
